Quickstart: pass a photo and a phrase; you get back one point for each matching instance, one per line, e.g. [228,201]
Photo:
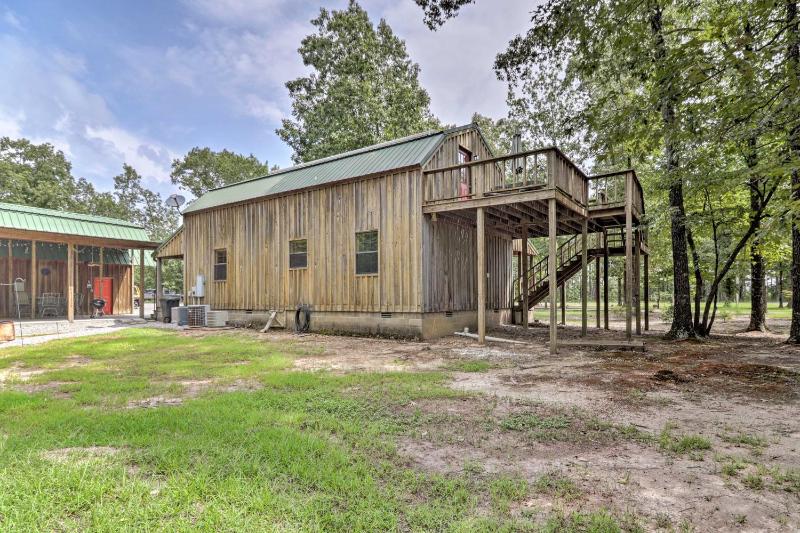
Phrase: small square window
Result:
[220,265]
[367,252]
[298,253]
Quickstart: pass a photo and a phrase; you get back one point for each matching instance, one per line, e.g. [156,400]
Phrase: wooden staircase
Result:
[568,263]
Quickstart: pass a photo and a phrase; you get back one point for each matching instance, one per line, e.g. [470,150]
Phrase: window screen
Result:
[367,252]
[220,265]
[298,253]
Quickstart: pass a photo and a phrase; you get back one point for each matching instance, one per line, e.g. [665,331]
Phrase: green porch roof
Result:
[399,153]
[48,251]
[25,218]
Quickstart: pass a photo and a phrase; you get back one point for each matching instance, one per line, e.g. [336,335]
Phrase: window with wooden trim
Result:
[220,265]
[367,252]
[298,253]
[464,187]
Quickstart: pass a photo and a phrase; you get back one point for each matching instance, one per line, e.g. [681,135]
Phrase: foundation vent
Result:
[448,314]
[386,315]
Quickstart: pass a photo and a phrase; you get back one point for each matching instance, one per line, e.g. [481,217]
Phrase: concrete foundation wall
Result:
[413,325]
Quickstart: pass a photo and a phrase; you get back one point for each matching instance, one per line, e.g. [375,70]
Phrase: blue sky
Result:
[142,82]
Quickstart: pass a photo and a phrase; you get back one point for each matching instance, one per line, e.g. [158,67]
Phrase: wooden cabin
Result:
[389,239]
[53,263]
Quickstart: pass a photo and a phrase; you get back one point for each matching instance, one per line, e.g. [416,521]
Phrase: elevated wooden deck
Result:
[541,193]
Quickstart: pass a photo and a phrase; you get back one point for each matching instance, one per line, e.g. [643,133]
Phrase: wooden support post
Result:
[637,284]
[628,254]
[70,282]
[525,279]
[605,279]
[597,290]
[34,280]
[647,292]
[141,283]
[584,275]
[10,287]
[159,313]
[551,272]
[563,291]
[481,245]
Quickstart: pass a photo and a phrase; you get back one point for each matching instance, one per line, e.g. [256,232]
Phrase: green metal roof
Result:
[400,153]
[48,251]
[21,217]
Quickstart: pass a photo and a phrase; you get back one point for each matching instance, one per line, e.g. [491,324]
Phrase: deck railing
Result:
[546,168]
[608,190]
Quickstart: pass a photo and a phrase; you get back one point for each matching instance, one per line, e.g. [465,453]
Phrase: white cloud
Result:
[150,160]
[57,106]
[246,68]
[10,18]
[11,123]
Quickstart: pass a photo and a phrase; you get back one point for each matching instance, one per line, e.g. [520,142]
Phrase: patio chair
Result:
[24,302]
[49,305]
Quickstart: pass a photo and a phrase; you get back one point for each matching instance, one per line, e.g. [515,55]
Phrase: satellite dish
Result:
[175,200]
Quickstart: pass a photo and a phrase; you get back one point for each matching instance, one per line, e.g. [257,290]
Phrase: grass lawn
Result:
[105,434]
[742,309]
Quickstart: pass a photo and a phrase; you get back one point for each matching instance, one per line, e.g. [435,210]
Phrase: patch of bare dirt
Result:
[80,455]
[596,417]
[154,401]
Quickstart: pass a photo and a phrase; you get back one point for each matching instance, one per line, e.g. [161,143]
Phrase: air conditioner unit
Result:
[198,315]
[180,316]
[217,319]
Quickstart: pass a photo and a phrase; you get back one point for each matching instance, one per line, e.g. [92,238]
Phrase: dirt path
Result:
[612,424]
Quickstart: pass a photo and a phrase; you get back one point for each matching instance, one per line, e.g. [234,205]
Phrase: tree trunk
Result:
[793,53]
[619,292]
[682,325]
[780,286]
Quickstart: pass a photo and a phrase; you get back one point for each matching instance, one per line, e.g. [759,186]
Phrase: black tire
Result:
[302,319]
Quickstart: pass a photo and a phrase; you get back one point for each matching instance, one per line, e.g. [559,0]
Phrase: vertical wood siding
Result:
[256,236]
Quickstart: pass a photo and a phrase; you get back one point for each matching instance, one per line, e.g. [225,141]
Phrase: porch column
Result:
[481,245]
[605,279]
[159,290]
[34,280]
[10,311]
[647,292]
[628,254]
[551,272]
[70,282]
[141,283]
[525,279]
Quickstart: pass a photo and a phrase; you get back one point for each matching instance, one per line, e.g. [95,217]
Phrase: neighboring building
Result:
[64,260]
[379,240]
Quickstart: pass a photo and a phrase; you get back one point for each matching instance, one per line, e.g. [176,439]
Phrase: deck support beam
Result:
[551,272]
[141,283]
[525,278]
[71,282]
[647,292]
[584,275]
[605,279]
[597,290]
[480,238]
[638,286]
[563,292]
[628,255]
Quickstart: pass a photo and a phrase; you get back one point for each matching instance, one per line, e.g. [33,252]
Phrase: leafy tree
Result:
[203,169]
[37,175]
[694,96]
[142,206]
[363,90]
